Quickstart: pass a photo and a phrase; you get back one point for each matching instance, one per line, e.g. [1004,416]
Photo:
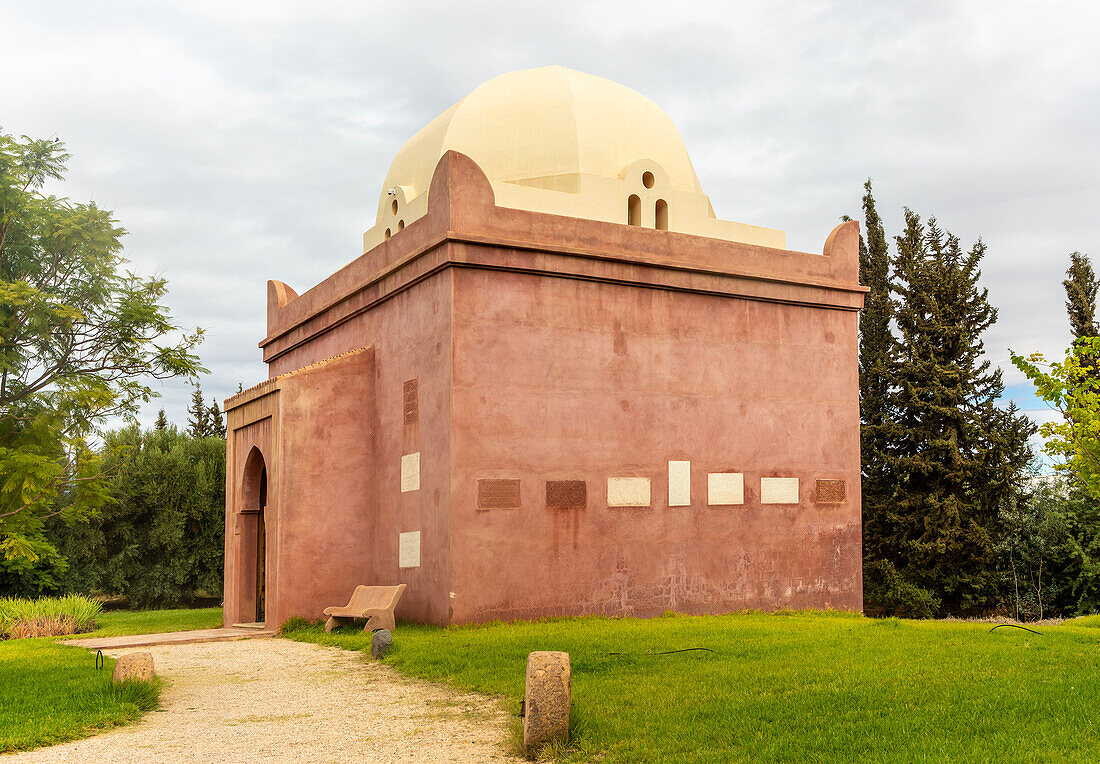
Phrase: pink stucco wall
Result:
[558,379]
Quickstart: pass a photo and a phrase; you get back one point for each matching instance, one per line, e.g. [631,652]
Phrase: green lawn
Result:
[795,687]
[50,692]
[117,623]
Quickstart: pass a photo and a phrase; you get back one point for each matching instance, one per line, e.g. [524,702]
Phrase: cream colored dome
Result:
[563,142]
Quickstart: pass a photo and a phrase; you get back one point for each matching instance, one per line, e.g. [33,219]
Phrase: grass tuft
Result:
[47,616]
[297,623]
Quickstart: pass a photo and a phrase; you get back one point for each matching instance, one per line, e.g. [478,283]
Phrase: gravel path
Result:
[274,700]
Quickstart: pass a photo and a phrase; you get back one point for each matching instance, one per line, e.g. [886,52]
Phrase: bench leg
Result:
[379,621]
[332,623]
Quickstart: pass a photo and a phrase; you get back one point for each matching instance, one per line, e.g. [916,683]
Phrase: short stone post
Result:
[381,642]
[134,667]
[547,697]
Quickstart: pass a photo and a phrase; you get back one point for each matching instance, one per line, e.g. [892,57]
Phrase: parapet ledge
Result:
[269,386]
[843,242]
[278,296]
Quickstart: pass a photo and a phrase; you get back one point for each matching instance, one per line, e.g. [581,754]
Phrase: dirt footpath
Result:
[273,700]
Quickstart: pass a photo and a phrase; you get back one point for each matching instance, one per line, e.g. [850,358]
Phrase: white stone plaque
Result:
[779,490]
[408,550]
[724,488]
[410,472]
[628,492]
[679,484]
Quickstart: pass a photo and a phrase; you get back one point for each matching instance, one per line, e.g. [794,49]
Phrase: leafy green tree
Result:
[160,543]
[162,420]
[80,341]
[1081,287]
[954,457]
[1071,387]
[1034,529]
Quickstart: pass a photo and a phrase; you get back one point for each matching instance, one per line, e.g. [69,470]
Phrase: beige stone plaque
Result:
[724,488]
[628,492]
[410,472]
[408,550]
[679,484]
[779,490]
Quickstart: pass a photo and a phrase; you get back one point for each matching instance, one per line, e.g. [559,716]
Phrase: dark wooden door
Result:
[261,560]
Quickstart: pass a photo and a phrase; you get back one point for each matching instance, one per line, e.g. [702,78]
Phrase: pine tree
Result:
[1081,287]
[875,346]
[214,417]
[198,421]
[162,421]
[954,457]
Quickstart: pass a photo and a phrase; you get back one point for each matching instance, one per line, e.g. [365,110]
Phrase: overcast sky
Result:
[242,141]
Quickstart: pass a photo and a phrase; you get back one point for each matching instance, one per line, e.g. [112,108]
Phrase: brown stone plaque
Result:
[497,494]
[412,405]
[831,491]
[566,494]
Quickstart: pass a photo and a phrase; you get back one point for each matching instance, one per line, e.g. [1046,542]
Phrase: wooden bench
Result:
[375,603]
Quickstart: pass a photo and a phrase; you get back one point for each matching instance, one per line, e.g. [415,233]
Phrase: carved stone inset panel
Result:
[411,400]
[497,494]
[679,484]
[724,488]
[410,472]
[408,550]
[628,492]
[566,494]
[778,490]
[831,491]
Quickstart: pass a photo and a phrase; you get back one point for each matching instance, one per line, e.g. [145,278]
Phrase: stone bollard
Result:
[546,704]
[134,667]
[380,643]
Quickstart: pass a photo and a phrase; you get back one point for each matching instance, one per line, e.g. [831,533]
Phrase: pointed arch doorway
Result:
[254,537]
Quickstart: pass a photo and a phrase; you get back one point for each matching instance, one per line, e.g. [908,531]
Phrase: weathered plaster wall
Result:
[328,488]
[561,379]
[410,336]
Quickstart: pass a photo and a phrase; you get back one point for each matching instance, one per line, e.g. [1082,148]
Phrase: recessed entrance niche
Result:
[253,538]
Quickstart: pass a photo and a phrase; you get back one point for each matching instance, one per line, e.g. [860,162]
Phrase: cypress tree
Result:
[875,346]
[1081,287]
[954,456]
[198,421]
[214,417]
[162,421]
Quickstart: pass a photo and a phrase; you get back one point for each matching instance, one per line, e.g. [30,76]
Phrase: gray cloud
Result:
[244,141]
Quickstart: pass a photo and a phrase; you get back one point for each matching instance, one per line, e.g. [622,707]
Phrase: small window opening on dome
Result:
[393,207]
[634,210]
[400,225]
[387,233]
[647,179]
[660,215]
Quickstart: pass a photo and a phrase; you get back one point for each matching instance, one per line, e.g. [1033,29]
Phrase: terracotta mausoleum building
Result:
[554,383]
